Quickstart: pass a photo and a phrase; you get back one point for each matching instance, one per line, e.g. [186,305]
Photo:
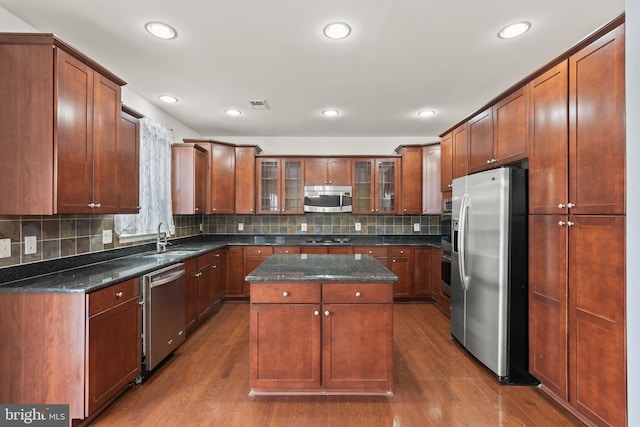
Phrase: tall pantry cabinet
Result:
[577,232]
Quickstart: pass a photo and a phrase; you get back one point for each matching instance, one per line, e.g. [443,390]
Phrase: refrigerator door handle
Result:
[461,240]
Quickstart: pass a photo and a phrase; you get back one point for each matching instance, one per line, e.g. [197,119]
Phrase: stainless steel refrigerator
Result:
[489,309]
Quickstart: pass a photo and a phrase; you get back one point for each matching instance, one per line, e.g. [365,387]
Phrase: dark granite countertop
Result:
[321,268]
[90,272]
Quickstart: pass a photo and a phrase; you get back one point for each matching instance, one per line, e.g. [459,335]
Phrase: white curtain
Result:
[155,183]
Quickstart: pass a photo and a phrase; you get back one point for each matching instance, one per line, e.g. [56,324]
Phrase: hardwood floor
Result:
[206,381]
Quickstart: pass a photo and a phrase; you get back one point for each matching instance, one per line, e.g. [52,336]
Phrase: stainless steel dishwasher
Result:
[164,314]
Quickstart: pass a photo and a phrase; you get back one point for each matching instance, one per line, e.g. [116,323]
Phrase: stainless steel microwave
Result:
[327,198]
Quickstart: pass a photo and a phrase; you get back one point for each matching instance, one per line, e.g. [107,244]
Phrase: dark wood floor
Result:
[206,381]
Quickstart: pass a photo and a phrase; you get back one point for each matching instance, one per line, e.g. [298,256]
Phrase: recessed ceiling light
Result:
[330,113]
[232,112]
[514,30]
[426,113]
[168,99]
[337,30]
[161,30]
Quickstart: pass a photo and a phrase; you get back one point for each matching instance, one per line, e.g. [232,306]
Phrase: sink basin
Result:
[171,254]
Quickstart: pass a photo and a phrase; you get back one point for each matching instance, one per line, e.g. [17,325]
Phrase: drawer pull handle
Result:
[119,294]
[358,294]
[170,342]
[316,313]
[285,294]
[326,313]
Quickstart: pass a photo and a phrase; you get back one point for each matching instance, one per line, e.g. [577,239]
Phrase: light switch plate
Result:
[5,248]
[107,237]
[303,227]
[240,226]
[358,226]
[30,245]
[416,226]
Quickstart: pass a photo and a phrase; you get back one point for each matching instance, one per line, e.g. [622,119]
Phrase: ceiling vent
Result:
[259,105]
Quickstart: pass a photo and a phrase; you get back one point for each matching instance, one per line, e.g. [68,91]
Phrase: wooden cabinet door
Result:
[548,293]
[422,286]
[357,346]
[245,180]
[411,181]
[129,164]
[222,178]
[431,195]
[292,190]
[460,156]
[205,285]
[597,146]
[234,273]
[105,145]
[402,266]
[387,188]
[446,162]
[285,346]
[549,161]
[75,133]
[511,123]
[315,171]
[253,257]
[597,315]
[268,171]
[339,171]
[480,130]
[363,186]
[188,179]
[191,294]
[114,352]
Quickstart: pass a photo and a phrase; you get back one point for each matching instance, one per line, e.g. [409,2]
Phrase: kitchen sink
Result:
[171,254]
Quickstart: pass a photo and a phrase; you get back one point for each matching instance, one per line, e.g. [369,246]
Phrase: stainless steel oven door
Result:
[445,272]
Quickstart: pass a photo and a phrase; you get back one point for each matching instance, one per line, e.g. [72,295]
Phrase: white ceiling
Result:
[402,56]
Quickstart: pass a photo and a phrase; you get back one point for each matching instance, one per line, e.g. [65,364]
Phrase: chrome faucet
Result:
[161,245]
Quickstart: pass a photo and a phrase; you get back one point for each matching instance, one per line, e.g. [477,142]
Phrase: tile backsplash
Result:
[60,236]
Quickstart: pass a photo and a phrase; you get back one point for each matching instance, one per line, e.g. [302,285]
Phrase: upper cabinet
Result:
[499,135]
[446,162]
[245,179]
[375,185]
[188,179]
[327,171]
[280,185]
[411,180]
[62,113]
[220,176]
[431,195]
[460,144]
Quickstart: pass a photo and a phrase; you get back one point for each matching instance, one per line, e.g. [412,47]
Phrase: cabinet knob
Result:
[372,210]
[561,223]
[561,206]
[316,313]
[251,210]
[259,252]
[570,223]
[326,313]
[571,205]
[402,252]
[170,342]
[214,209]
[91,205]
[286,251]
[450,185]
[370,252]
[285,294]
[394,260]
[330,182]
[119,294]
[98,205]
[358,294]
[214,266]
[196,209]
[404,210]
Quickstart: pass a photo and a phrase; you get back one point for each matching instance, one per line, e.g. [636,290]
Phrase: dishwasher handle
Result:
[167,279]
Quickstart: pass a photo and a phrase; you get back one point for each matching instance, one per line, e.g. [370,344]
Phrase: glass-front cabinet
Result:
[280,186]
[375,184]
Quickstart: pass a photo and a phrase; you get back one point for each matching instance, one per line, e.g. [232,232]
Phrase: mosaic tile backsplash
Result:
[61,236]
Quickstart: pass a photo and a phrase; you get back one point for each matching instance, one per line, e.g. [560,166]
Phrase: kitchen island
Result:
[321,324]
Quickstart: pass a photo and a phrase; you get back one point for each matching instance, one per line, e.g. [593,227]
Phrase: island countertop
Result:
[325,268]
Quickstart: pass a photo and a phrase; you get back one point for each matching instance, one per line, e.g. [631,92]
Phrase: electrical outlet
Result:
[303,227]
[201,227]
[358,226]
[107,237]
[416,226]
[30,245]
[5,248]
[240,226]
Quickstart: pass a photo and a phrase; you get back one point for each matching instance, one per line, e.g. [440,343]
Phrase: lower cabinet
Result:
[402,266]
[310,337]
[253,257]
[79,349]
[234,271]
[204,287]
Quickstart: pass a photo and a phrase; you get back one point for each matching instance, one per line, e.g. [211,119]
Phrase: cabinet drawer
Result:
[106,298]
[357,293]
[258,251]
[399,251]
[285,292]
[286,250]
[376,251]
